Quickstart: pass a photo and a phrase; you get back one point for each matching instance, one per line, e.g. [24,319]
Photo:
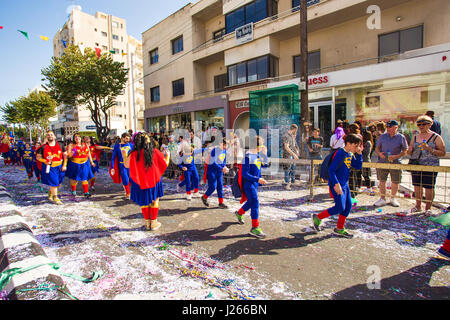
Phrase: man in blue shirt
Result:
[391,146]
[436,127]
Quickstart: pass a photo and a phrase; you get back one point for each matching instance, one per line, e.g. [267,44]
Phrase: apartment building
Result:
[108,33]
[235,63]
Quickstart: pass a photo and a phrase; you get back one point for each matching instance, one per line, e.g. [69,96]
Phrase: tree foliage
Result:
[78,79]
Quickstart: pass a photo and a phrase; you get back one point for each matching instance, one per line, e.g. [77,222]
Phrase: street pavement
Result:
[203,253]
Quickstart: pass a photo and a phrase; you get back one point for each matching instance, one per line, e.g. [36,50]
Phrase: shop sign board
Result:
[244,34]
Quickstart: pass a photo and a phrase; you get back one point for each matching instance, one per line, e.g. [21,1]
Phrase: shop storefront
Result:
[400,90]
[198,114]
[240,114]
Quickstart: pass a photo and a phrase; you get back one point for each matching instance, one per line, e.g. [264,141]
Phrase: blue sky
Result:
[21,60]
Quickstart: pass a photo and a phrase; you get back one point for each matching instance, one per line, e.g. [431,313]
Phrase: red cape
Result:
[244,196]
[116,177]
[147,178]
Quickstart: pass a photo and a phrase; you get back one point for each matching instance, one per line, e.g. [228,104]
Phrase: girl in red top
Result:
[96,151]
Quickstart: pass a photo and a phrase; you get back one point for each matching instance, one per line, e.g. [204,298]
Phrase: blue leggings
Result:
[343,203]
[191,180]
[251,191]
[215,181]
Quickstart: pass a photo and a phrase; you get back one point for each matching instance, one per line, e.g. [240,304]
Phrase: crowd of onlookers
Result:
[383,143]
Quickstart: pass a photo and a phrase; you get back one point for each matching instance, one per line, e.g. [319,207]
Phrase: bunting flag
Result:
[24,33]
[98,51]
[124,54]
[1,27]
[82,47]
[43,38]
[112,51]
[64,43]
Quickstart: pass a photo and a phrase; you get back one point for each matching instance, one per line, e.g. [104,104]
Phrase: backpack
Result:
[326,164]
[236,188]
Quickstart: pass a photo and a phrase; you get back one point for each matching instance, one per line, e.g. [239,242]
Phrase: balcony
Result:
[285,25]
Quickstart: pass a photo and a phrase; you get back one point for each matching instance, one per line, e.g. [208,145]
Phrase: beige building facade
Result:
[387,59]
[108,33]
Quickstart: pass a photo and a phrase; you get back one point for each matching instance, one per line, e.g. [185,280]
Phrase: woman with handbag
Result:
[425,149]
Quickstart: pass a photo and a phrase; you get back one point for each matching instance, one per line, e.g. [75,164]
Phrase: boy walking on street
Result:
[339,173]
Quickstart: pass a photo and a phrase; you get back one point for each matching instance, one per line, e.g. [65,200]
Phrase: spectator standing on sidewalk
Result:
[290,151]
[436,126]
[337,139]
[305,137]
[367,151]
[391,146]
[426,146]
[315,145]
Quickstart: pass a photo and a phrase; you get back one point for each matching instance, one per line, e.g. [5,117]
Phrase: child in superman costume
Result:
[147,165]
[37,165]
[28,155]
[339,175]
[118,172]
[249,177]
[215,168]
[15,155]
[190,178]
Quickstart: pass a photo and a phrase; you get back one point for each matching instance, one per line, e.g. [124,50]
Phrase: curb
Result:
[20,249]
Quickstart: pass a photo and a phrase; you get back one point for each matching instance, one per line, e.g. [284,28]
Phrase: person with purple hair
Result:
[337,139]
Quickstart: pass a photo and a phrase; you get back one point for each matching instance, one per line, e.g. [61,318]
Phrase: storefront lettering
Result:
[317,80]
[242,104]
[178,109]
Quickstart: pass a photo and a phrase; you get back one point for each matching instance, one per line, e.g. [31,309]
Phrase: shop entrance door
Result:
[321,117]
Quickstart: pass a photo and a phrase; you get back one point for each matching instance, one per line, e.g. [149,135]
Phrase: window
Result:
[154,94]
[154,56]
[115,37]
[220,82]
[313,63]
[252,70]
[252,12]
[178,87]
[115,24]
[296,4]
[177,45]
[400,41]
[104,34]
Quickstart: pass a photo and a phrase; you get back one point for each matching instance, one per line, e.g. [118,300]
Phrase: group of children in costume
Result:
[139,165]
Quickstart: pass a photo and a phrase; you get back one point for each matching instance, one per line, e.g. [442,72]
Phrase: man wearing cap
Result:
[390,147]
[436,127]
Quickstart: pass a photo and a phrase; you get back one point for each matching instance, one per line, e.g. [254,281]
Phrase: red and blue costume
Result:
[190,177]
[214,173]
[249,175]
[56,153]
[121,174]
[28,155]
[5,148]
[79,167]
[15,155]
[340,174]
[37,165]
[146,183]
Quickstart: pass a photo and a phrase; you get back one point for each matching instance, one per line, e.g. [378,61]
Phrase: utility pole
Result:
[304,105]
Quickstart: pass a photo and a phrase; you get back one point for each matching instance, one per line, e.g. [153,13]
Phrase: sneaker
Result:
[343,233]
[316,223]
[223,206]
[428,213]
[257,232]
[239,217]
[381,202]
[178,189]
[205,202]
[87,195]
[93,189]
[196,195]
[50,197]
[288,187]
[395,203]
[57,201]
[415,210]
[444,253]
[74,193]
[188,197]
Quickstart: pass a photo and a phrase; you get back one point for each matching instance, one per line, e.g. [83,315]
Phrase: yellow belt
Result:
[79,160]
[56,163]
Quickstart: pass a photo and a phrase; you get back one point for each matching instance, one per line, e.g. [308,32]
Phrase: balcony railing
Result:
[222,37]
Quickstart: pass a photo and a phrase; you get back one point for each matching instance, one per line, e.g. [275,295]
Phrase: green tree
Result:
[86,80]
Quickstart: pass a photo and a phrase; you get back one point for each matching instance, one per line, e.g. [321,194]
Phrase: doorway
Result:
[320,115]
